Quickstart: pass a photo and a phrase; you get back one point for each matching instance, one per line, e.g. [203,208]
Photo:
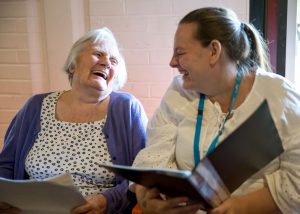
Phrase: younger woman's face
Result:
[190,58]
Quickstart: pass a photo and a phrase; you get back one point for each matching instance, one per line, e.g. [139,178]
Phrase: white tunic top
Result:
[170,134]
[70,147]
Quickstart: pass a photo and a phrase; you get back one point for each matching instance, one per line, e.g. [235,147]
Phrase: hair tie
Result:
[242,26]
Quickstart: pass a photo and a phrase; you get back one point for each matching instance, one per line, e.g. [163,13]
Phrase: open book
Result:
[249,148]
[56,195]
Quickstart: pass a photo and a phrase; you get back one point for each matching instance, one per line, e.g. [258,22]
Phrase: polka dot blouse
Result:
[70,147]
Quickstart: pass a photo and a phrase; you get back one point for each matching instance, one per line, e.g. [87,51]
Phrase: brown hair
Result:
[241,41]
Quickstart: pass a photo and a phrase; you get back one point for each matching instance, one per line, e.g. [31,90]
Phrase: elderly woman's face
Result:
[96,66]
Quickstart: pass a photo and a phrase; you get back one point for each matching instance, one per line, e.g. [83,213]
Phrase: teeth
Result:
[102,74]
[184,73]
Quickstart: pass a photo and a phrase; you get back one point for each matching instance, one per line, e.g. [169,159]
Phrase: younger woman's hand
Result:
[8,209]
[258,202]
[150,201]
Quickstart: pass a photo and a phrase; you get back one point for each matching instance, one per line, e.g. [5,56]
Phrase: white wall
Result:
[291,48]
[21,57]
[36,35]
[145,31]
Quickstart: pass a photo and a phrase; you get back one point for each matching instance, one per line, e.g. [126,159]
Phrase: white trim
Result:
[64,23]
[291,40]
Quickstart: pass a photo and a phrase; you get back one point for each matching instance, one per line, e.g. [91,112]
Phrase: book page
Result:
[56,195]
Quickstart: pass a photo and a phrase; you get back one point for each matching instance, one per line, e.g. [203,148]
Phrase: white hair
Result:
[94,36]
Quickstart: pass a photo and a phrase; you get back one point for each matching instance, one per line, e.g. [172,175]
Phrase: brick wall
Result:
[21,65]
[144,29]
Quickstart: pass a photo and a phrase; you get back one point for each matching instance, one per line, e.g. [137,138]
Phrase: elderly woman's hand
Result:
[95,204]
[8,209]
[150,201]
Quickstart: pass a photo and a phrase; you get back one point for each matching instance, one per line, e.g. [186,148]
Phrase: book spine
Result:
[209,184]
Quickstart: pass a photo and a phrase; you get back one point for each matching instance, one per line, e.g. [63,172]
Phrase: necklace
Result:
[200,117]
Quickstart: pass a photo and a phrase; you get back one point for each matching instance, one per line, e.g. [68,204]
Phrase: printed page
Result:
[56,195]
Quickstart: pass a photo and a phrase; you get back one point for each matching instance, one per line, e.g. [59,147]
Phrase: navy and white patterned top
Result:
[70,147]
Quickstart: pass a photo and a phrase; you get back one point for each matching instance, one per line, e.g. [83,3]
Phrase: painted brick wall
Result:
[144,29]
[21,63]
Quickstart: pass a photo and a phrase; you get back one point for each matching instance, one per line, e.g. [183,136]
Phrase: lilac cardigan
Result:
[124,130]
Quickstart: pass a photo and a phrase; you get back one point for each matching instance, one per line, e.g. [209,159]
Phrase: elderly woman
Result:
[71,131]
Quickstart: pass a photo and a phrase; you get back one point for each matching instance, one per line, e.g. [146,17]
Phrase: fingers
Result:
[151,201]
[181,204]
[147,195]
[188,209]
[168,207]
[152,193]
[95,204]
[81,209]
[8,209]
[140,191]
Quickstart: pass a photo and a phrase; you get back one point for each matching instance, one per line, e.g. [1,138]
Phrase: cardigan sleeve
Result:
[19,138]
[125,131]
[7,156]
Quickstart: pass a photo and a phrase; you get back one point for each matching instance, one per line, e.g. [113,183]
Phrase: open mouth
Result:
[184,73]
[102,74]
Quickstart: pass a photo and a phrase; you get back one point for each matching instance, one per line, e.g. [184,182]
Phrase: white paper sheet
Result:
[56,195]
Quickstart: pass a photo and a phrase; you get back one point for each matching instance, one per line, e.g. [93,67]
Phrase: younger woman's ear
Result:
[215,48]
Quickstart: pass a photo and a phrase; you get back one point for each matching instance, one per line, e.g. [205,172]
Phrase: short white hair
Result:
[94,36]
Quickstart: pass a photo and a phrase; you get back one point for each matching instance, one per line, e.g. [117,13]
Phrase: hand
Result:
[151,202]
[8,209]
[258,202]
[96,204]
[232,205]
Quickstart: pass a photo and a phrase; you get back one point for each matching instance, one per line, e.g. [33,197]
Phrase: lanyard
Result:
[200,117]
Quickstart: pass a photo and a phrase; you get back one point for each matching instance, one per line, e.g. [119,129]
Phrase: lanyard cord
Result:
[198,129]
[200,117]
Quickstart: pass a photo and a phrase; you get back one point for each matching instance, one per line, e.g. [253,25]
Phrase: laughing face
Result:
[190,58]
[95,67]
